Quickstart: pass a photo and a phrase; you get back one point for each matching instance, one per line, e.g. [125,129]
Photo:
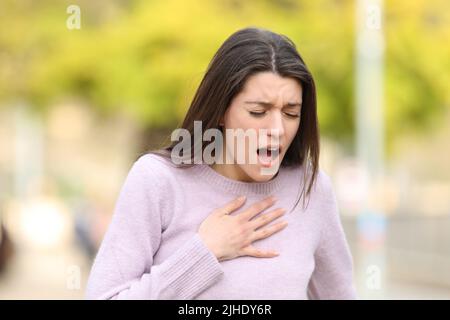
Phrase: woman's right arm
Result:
[121,268]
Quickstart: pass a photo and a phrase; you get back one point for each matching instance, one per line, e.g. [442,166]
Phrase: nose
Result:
[276,126]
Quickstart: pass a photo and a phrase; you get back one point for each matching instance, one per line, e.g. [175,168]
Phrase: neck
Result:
[231,171]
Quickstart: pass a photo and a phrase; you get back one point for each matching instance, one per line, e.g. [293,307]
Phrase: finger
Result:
[258,253]
[267,232]
[266,218]
[258,207]
[231,206]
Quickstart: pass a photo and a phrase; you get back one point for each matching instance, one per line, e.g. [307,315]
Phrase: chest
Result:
[283,277]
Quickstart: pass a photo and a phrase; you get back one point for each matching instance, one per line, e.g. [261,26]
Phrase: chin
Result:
[260,174]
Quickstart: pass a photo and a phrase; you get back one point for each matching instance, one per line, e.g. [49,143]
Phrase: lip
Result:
[270,164]
[280,147]
[273,161]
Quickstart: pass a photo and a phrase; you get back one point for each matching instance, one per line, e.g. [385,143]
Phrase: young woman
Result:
[196,230]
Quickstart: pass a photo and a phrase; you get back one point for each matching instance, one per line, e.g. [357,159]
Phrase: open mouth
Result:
[268,155]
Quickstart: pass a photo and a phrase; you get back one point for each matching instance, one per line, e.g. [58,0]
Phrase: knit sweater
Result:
[151,249]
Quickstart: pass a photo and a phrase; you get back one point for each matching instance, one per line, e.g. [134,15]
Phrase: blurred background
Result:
[86,86]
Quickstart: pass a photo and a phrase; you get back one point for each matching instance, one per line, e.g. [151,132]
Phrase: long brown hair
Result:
[244,53]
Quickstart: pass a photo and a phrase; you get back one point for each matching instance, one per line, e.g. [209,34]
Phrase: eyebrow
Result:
[268,104]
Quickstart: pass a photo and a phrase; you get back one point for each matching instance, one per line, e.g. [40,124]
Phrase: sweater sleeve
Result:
[123,267]
[332,278]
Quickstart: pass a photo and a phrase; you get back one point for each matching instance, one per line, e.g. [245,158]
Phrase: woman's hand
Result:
[230,236]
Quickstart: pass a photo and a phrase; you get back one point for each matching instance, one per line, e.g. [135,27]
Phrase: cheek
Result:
[232,117]
[291,130]
[238,118]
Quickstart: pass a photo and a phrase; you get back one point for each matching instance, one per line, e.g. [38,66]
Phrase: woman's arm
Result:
[123,267]
[333,274]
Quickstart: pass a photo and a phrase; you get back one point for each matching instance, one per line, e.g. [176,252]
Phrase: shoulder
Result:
[153,171]
[326,198]
[323,190]
[324,182]
[154,165]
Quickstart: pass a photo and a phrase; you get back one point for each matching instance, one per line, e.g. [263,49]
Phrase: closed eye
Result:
[292,115]
[257,113]
[262,113]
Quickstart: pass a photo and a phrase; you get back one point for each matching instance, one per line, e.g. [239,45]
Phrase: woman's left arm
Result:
[333,274]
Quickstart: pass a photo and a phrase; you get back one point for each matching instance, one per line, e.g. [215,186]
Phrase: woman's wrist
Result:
[211,248]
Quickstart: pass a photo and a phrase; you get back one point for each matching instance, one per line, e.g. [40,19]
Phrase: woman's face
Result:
[269,105]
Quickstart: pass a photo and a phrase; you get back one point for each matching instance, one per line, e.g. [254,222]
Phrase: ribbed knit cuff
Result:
[192,269]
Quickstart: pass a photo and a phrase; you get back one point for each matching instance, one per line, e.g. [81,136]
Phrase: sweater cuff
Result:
[193,269]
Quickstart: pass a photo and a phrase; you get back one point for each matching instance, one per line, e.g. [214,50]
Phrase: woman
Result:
[195,230]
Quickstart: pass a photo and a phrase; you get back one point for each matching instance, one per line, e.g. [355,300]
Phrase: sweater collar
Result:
[212,177]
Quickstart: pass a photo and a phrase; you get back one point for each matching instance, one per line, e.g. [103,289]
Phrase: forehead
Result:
[270,86]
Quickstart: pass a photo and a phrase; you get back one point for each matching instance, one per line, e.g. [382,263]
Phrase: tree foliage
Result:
[146,58]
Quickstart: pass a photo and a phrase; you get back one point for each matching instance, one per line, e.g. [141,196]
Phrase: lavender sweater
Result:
[152,250]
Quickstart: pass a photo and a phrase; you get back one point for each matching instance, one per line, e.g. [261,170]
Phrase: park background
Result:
[81,99]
